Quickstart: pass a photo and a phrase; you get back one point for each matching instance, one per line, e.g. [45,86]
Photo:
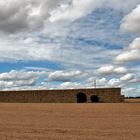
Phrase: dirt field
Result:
[70,121]
[132,100]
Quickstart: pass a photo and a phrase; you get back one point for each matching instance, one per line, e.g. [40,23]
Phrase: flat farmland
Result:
[132,100]
[41,121]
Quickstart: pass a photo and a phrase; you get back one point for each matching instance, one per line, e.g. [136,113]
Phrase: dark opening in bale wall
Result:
[94,99]
[81,98]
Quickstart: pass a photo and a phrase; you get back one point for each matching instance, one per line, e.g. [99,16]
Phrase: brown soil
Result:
[135,100]
[70,121]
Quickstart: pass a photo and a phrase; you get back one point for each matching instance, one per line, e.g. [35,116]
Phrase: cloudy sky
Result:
[47,44]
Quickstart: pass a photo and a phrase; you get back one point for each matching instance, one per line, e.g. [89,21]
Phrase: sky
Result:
[59,44]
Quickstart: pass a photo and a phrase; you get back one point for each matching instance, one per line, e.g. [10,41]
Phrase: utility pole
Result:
[95,83]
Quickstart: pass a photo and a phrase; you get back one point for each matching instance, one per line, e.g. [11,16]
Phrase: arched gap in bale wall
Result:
[81,97]
[94,99]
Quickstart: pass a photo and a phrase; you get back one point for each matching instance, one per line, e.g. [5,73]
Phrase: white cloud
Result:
[102,82]
[13,48]
[64,76]
[131,53]
[17,83]
[23,15]
[17,75]
[74,10]
[120,70]
[109,69]
[18,15]
[127,56]
[131,22]
[128,77]
[25,49]
[70,85]
[106,69]
[114,82]
[135,44]
[20,79]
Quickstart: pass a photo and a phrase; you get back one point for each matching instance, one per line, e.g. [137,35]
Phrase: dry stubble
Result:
[70,121]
